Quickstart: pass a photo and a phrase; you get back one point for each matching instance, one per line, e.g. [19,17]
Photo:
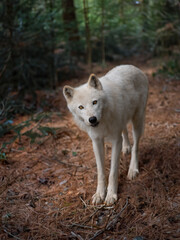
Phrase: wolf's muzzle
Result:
[93,121]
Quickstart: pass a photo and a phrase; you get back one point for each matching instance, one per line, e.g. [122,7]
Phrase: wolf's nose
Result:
[93,120]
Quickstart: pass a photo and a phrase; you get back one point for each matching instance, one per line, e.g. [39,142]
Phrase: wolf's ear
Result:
[68,92]
[94,82]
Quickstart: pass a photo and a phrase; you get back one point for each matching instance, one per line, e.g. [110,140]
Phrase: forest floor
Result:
[46,187]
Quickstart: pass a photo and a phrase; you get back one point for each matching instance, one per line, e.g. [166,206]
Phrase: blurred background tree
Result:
[40,39]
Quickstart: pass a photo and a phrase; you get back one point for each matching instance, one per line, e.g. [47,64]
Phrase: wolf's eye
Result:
[94,102]
[81,107]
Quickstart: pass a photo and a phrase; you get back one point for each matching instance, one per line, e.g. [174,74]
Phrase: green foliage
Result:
[46,130]
[37,41]
[35,132]
[170,69]
[27,45]
[2,156]
[10,106]
[74,154]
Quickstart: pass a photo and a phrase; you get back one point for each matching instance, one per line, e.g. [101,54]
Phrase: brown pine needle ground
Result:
[46,189]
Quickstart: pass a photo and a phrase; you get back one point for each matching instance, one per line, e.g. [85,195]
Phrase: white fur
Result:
[121,97]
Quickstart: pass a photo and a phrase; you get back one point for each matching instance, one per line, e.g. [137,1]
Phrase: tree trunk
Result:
[52,47]
[102,33]
[88,35]
[9,15]
[69,18]
[145,22]
[121,4]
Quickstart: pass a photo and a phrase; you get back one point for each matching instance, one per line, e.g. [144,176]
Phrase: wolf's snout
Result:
[93,120]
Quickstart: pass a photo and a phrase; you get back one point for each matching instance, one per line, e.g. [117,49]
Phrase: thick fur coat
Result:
[102,107]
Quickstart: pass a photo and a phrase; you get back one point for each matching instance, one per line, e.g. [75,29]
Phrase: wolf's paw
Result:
[98,198]
[111,199]
[132,173]
[126,150]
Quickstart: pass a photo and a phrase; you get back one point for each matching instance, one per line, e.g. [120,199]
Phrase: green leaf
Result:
[74,154]
[40,116]
[7,143]
[59,114]
[32,135]
[46,130]
[2,156]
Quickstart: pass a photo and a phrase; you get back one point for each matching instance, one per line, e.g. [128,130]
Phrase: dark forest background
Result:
[43,42]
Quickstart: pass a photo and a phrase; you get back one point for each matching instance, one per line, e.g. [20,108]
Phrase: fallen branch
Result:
[80,225]
[76,235]
[111,223]
[10,234]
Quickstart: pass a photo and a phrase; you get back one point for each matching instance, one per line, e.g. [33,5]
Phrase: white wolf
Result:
[102,107]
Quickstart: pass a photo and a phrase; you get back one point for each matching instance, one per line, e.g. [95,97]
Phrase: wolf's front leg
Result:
[113,176]
[98,147]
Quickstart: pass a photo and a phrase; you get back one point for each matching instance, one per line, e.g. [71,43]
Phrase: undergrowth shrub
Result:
[33,128]
[170,69]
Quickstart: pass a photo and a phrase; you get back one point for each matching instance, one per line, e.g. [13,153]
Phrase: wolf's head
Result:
[86,102]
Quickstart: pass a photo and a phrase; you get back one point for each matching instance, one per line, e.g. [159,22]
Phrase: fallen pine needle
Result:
[76,235]
[111,223]
[10,234]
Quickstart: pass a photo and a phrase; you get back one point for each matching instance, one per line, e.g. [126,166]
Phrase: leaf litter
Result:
[46,186]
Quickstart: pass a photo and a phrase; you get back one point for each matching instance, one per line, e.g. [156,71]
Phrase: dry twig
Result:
[10,234]
[76,235]
[111,223]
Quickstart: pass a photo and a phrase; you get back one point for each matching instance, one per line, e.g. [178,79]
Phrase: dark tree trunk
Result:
[69,18]
[102,33]
[52,47]
[88,35]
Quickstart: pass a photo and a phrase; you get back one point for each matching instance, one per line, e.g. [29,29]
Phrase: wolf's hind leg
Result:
[126,148]
[138,126]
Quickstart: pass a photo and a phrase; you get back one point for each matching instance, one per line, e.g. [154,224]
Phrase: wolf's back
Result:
[125,78]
